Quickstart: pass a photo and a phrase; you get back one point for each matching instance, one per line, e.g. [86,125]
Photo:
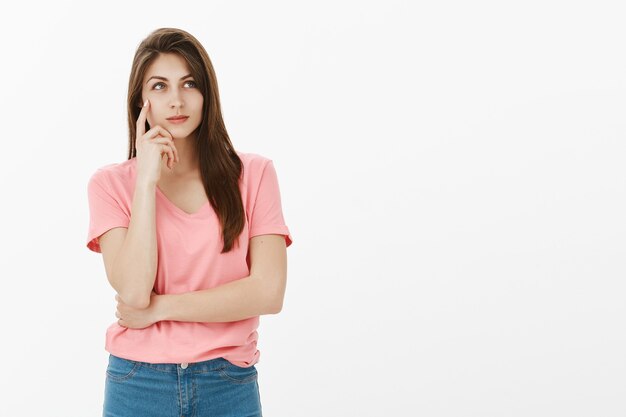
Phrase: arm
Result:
[133,268]
[259,293]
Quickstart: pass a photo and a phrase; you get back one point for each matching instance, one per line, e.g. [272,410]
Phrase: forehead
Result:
[169,65]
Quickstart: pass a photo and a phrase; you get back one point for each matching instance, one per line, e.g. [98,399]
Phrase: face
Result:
[172,91]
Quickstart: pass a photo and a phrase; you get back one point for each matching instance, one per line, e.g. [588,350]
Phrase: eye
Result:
[160,83]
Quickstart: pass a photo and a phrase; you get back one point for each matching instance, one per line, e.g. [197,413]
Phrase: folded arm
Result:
[260,293]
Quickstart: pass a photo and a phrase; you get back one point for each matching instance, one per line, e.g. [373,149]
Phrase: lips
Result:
[177,118]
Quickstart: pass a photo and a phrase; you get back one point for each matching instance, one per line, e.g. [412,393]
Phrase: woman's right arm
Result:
[130,254]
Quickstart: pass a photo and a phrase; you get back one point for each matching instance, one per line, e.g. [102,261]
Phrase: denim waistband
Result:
[193,367]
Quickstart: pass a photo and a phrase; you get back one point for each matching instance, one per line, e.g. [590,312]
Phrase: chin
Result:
[181,134]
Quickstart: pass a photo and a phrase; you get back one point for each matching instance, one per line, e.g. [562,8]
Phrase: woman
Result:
[193,241]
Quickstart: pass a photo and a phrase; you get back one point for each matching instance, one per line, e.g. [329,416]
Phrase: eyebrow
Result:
[165,79]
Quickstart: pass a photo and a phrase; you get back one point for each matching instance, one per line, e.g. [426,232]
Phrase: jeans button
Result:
[183,365]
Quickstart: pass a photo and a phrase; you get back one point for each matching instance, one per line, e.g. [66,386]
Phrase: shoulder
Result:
[253,159]
[253,163]
[121,169]
[115,172]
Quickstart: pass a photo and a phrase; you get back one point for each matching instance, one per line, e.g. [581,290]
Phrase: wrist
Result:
[162,306]
[146,184]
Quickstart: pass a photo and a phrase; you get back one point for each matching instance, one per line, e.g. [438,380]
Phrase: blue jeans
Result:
[213,388]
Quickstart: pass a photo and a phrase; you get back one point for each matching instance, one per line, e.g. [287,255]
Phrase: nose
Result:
[175,99]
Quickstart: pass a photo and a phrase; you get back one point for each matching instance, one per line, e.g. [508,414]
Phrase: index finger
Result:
[141,120]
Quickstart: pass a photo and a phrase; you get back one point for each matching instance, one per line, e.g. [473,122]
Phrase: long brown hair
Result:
[220,167]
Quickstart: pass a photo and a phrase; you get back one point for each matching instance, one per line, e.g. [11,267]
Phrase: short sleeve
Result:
[105,211]
[267,215]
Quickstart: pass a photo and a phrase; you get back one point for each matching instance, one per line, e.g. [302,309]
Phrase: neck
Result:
[188,159]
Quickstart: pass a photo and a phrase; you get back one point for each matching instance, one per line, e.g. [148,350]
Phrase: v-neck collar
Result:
[175,208]
[204,211]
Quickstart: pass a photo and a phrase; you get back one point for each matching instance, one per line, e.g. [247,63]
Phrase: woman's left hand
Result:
[137,318]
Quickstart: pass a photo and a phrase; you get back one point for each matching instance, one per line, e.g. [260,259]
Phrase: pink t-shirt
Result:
[189,259]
